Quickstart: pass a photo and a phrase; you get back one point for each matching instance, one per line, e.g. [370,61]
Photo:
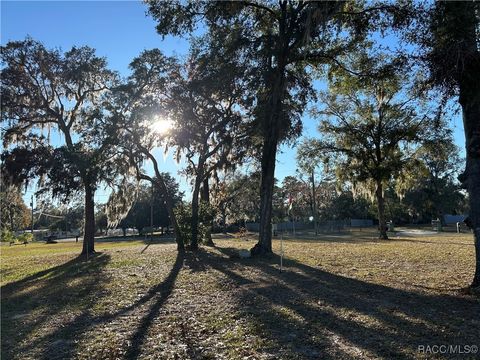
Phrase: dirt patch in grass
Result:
[336,298]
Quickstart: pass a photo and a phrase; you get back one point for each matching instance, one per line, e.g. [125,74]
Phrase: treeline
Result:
[236,201]
[147,210]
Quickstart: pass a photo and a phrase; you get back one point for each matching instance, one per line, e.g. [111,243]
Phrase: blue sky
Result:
[118,30]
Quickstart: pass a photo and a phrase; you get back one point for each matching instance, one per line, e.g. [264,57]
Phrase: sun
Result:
[161,126]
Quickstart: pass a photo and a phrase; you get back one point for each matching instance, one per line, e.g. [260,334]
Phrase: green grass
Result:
[339,296]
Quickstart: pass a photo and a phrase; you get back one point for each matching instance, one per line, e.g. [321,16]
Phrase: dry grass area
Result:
[342,296]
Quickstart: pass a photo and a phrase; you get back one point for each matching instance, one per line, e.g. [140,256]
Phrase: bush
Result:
[183,213]
[7,236]
[25,237]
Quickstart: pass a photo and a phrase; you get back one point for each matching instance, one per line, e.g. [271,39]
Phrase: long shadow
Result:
[313,314]
[419,240]
[338,239]
[77,262]
[299,310]
[86,320]
[157,239]
[29,305]
[355,239]
[161,293]
[52,298]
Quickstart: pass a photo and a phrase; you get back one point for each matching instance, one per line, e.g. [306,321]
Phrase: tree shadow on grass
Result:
[30,306]
[338,238]
[419,239]
[160,293]
[302,312]
[76,285]
[153,299]
[308,313]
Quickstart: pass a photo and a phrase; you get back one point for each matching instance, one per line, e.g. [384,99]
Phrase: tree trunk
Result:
[12,216]
[224,220]
[89,226]
[194,220]
[470,102]
[205,197]
[271,136]
[264,244]
[160,183]
[195,204]
[474,199]
[171,213]
[382,223]
[469,99]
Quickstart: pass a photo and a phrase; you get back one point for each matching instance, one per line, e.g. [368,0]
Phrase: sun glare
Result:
[161,126]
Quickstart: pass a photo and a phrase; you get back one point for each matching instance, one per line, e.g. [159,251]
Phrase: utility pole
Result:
[293,219]
[281,252]
[31,205]
[314,200]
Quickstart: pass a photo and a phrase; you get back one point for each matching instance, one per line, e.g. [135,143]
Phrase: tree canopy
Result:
[279,40]
[46,94]
[369,129]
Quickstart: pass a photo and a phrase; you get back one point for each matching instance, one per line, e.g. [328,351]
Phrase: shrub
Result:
[183,213]
[7,236]
[25,237]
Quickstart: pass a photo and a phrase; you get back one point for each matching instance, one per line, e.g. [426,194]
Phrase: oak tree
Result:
[280,40]
[52,108]
[369,128]
[452,53]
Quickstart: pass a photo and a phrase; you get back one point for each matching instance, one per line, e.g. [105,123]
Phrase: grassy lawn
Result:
[339,296]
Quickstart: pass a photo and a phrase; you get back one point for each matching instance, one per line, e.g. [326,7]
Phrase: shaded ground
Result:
[337,298]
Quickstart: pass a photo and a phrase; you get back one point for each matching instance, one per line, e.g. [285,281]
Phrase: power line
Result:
[50,215]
